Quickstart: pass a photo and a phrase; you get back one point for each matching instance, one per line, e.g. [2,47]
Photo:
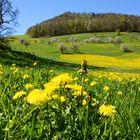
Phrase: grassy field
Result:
[42,96]
[101,54]
[39,103]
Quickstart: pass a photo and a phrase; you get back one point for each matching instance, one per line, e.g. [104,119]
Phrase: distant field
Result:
[102,54]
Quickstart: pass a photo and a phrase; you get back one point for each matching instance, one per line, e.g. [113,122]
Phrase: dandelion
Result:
[107,110]
[55,96]
[62,99]
[119,93]
[35,63]
[84,102]
[93,83]
[36,97]
[79,93]
[28,86]
[75,79]
[19,94]
[62,79]
[1,72]
[25,76]
[86,80]
[51,87]
[106,88]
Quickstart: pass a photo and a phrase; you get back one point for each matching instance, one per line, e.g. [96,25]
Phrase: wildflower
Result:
[1,72]
[28,86]
[86,80]
[93,83]
[62,79]
[13,65]
[62,99]
[107,110]
[94,102]
[51,87]
[25,76]
[84,102]
[55,96]
[75,79]
[119,93]
[35,63]
[19,94]
[79,93]
[36,97]
[106,88]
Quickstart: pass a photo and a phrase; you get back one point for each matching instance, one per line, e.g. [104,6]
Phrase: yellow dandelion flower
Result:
[51,87]
[35,63]
[62,79]
[62,99]
[106,88]
[119,93]
[1,72]
[75,78]
[79,93]
[93,83]
[86,80]
[84,102]
[55,96]
[25,76]
[107,110]
[19,94]
[28,86]
[36,97]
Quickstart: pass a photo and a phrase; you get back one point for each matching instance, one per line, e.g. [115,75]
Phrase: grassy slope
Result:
[106,52]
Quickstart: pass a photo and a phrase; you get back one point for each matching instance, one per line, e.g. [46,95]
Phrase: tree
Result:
[8,17]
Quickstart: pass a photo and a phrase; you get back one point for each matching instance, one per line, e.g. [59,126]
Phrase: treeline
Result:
[71,23]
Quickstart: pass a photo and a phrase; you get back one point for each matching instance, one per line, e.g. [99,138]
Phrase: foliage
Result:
[125,48]
[46,104]
[7,17]
[75,47]
[62,47]
[71,23]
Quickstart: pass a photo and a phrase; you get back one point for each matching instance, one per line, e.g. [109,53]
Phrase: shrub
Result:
[125,48]
[117,40]
[75,47]
[62,47]
[21,41]
[92,39]
[109,40]
[72,39]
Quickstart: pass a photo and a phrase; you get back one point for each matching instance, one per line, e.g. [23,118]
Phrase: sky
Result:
[32,12]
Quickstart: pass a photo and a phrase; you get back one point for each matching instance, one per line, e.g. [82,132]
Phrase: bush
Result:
[72,39]
[92,39]
[109,40]
[117,40]
[75,47]
[125,48]
[62,47]
[21,41]
[24,42]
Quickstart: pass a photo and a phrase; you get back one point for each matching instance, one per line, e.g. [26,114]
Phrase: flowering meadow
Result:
[42,103]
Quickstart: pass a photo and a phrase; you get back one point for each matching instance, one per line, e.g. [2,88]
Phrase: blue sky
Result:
[36,11]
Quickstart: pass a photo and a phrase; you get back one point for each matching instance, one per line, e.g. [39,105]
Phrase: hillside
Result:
[71,23]
[99,49]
